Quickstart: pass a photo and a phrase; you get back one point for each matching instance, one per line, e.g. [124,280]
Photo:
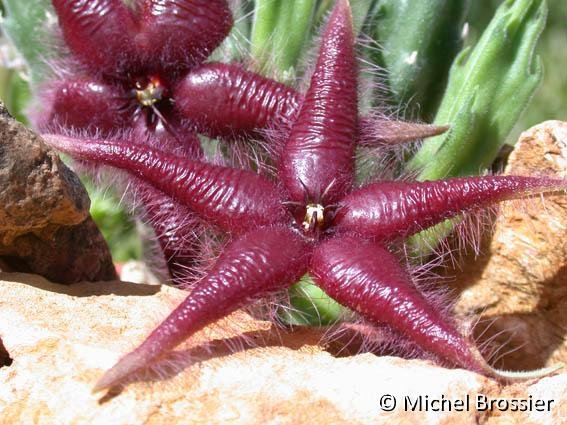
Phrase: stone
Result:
[136,271]
[518,286]
[238,371]
[56,341]
[5,359]
[45,225]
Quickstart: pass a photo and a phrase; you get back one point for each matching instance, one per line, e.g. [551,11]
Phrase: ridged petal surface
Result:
[226,100]
[236,200]
[255,265]
[368,279]
[393,209]
[99,32]
[318,156]
[178,34]
[87,104]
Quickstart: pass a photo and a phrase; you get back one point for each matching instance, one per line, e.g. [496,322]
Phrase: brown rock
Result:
[5,359]
[63,338]
[45,226]
[519,286]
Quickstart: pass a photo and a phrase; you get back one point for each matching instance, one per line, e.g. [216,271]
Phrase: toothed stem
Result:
[418,40]
[489,86]
[258,263]
[279,31]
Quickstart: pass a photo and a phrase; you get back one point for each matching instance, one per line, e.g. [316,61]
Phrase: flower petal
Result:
[99,32]
[179,34]
[318,157]
[365,277]
[226,100]
[236,200]
[87,104]
[393,209]
[257,264]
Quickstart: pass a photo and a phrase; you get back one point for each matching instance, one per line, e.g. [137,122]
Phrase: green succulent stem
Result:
[489,87]
[17,95]
[25,24]
[311,306]
[232,47]
[279,32]
[419,40]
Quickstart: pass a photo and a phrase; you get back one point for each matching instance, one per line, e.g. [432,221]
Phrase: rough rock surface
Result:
[45,226]
[63,337]
[519,285]
[5,359]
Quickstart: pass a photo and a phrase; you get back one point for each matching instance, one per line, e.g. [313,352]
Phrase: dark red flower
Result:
[130,60]
[140,74]
[142,67]
[312,218]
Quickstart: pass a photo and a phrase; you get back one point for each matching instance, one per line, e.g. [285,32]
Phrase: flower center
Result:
[314,218]
[150,93]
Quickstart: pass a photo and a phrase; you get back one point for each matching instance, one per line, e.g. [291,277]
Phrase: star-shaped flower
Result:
[140,73]
[143,67]
[311,219]
[130,60]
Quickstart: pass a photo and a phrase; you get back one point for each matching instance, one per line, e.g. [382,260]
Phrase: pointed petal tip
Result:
[512,376]
[439,129]
[100,386]
[343,5]
[104,383]
[58,142]
[376,131]
[118,373]
[424,131]
[342,11]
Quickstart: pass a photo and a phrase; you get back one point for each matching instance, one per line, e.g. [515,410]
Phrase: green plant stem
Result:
[311,306]
[26,26]
[279,32]
[419,40]
[489,87]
